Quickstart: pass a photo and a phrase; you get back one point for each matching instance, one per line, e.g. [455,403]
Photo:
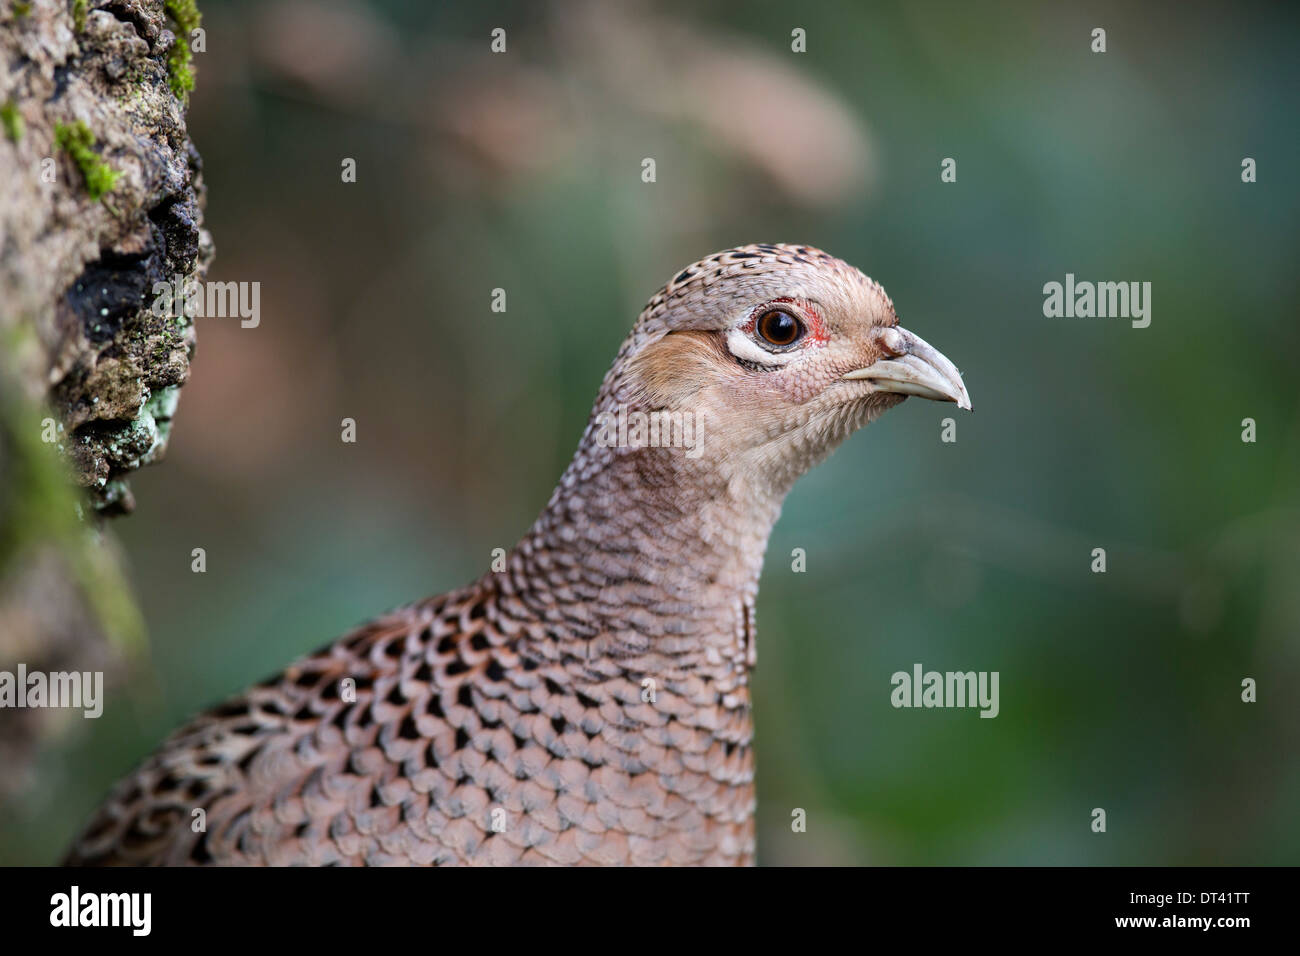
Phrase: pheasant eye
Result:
[778,327]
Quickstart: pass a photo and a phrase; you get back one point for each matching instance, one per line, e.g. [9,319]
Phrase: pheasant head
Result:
[743,372]
[771,355]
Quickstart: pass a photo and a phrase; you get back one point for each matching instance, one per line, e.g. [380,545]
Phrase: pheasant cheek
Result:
[801,384]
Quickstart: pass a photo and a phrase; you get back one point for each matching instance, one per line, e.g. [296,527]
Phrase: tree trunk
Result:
[102,198]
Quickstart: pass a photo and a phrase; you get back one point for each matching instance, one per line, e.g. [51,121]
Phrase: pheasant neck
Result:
[645,561]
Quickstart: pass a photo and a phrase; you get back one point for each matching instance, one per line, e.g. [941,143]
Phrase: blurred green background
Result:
[522,171]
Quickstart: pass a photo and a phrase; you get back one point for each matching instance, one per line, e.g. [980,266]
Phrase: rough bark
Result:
[101,199]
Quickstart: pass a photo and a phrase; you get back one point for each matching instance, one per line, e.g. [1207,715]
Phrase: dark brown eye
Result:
[779,328]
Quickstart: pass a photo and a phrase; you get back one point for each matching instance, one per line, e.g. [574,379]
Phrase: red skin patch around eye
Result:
[816,331]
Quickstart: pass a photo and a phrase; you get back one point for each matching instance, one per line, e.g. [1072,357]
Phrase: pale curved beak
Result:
[912,366]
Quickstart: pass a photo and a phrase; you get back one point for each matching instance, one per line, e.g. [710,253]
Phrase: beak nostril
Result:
[910,365]
[893,341]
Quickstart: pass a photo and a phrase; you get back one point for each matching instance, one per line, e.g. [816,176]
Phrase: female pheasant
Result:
[588,700]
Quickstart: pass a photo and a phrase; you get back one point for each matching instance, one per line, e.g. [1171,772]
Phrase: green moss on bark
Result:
[12,121]
[180,68]
[76,140]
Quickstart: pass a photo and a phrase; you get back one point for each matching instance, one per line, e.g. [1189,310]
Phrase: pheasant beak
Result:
[912,366]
